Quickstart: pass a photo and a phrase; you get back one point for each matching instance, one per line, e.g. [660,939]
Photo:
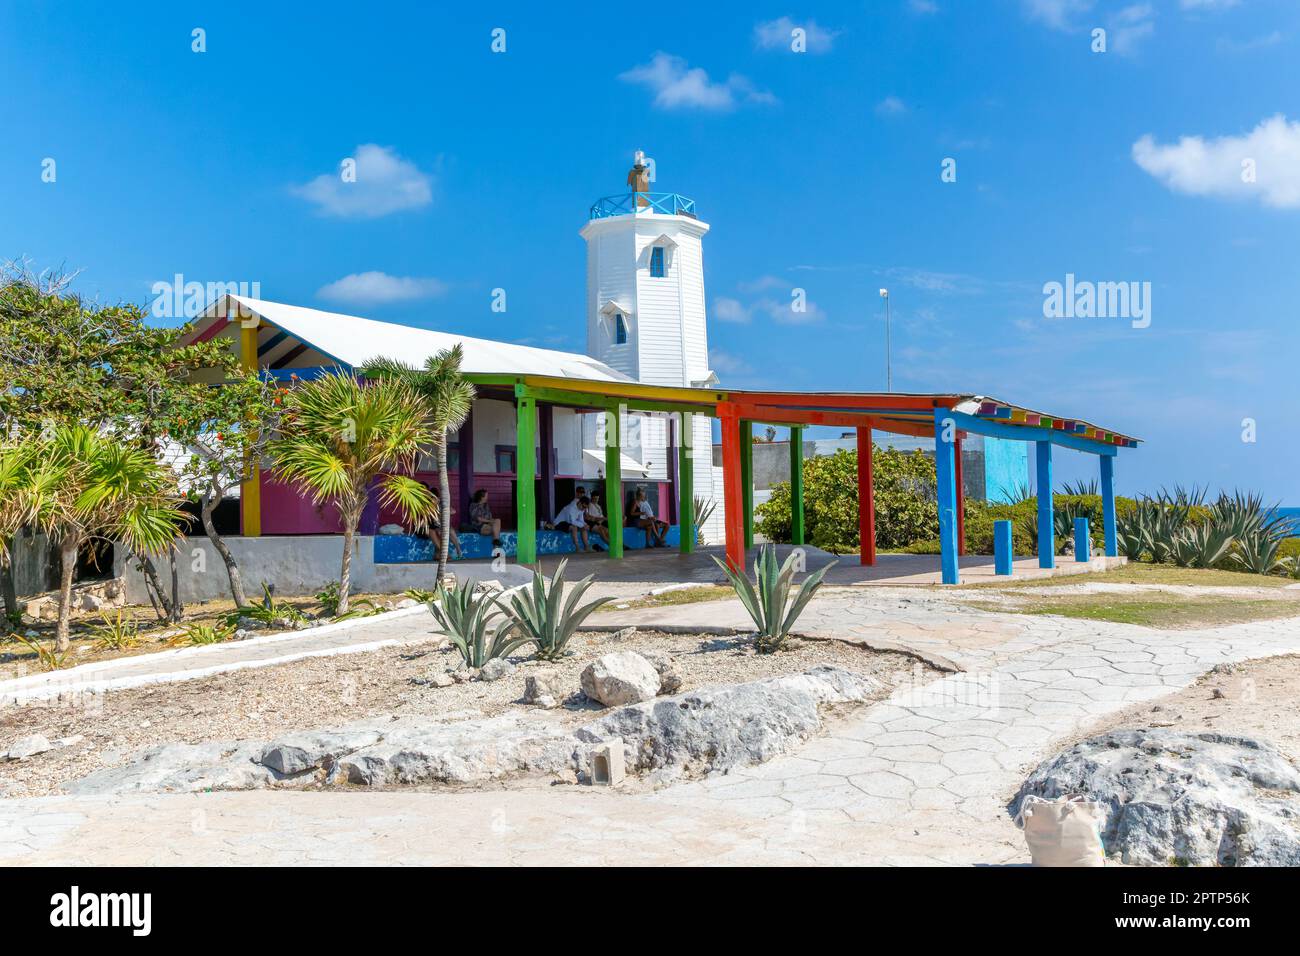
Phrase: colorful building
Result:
[636,410]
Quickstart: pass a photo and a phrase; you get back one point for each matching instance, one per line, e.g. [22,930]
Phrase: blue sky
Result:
[818,170]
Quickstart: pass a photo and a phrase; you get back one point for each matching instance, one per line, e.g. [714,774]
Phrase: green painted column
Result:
[614,482]
[525,485]
[747,478]
[686,484]
[796,485]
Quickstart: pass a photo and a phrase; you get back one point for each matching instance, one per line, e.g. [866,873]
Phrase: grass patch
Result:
[1164,612]
[1135,573]
[691,595]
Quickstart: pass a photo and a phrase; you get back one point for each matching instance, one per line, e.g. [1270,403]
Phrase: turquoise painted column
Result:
[1046,517]
[1082,540]
[1108,505]
[1003,547]
[945,466]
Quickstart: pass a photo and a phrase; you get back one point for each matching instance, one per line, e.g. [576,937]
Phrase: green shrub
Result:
[906,508]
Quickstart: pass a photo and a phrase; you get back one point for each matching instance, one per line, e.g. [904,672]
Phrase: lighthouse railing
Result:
[667,204]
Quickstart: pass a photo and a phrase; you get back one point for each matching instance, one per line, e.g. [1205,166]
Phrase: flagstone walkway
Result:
[921,778]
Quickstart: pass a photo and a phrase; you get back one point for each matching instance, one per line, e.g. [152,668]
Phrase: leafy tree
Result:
[219,435]
[78,484]
[67,361]
[447,397]
[340,435]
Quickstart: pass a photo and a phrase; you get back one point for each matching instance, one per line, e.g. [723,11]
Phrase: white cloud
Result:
[778,34]
[1214,167]
[729,310]
[379,288]
[783,311]
[1057,14]
[1129,26]
[890,106]
[724,363]
[677,85]
[1207,4]
[384,183]
[923,6]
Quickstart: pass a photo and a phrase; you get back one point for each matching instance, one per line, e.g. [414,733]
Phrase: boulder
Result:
[616,680]
[544,685]
[496,669]
[670,675]
[301,752]
[730,725]
[1198,799]
[28,746]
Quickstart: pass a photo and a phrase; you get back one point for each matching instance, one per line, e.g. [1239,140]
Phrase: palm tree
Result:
[78,484]
[16,459]
[340,436]
[448,398]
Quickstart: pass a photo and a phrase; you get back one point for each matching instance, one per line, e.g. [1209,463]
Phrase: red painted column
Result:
[866,499]
[732,493]
[961,496]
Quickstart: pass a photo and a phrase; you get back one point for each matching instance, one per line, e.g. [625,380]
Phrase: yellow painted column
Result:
[250,492]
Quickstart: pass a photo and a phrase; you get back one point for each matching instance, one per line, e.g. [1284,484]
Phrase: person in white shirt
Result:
[572,520]
[644,516]
[595,519]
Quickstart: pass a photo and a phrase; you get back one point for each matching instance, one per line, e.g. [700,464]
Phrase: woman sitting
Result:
[480,517]
[643,517]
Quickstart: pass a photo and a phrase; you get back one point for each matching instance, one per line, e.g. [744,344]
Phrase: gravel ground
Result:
[331,691]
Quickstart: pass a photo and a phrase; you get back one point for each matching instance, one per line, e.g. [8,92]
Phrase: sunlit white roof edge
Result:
[353,340]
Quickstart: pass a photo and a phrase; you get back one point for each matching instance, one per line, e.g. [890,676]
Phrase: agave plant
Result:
[542,616]
[1202,545]
[1257,552]
[703,509]
[200,635]
[768,599]
[1081,488]
[466,618]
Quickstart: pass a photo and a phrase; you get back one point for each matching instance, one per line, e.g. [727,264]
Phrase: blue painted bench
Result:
[409,548]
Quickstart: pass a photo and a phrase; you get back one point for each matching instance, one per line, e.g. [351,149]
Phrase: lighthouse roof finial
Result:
[638,177]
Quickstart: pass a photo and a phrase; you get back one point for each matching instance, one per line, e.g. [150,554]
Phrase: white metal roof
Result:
[353,341]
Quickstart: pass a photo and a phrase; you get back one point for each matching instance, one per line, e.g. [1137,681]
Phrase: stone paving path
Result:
[921,778]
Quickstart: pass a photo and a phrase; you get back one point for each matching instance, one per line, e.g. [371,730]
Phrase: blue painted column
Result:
[1108,505]
[1003,547]
[1082,540]
[1046,518]
[945,466]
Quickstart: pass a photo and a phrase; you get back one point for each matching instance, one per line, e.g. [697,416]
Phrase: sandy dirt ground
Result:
[332,691]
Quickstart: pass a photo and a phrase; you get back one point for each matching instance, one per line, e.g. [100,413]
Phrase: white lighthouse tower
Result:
[646,315]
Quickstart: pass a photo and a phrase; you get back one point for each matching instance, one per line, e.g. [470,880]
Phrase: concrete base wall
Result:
[298,565]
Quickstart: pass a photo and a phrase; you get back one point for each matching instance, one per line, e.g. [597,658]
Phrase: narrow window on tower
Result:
[620,329]
[657,262]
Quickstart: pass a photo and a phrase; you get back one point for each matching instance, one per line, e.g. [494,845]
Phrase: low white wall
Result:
[297,565]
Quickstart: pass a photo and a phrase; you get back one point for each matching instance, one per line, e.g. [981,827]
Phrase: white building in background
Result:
[646,318]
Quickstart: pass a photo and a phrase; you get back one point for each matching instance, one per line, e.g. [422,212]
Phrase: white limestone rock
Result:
[28,746]
[616,680]
[496,669]
[1200,799]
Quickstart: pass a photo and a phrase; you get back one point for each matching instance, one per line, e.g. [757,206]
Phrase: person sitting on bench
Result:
[572,520]
[595,519]
[644,517]
[480,517]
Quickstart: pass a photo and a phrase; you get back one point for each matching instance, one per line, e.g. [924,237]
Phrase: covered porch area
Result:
[947,418]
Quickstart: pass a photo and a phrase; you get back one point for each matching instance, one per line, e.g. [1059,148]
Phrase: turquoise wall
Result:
[1006,468]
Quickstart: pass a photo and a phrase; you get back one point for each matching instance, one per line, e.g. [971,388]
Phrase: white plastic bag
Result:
[1063,832]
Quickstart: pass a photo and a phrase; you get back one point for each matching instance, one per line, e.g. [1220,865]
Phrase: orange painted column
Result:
[866,499]
[732,493]
[961,497]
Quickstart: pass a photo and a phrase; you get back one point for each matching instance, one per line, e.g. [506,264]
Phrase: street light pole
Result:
[889,369]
